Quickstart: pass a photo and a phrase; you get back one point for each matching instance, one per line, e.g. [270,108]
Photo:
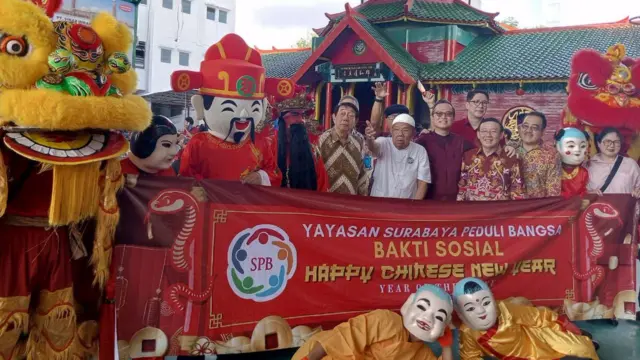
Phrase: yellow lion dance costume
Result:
[64,89]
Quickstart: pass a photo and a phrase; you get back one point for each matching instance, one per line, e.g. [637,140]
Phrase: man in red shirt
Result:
[477,104]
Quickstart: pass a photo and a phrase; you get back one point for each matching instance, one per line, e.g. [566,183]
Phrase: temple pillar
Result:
[327,106]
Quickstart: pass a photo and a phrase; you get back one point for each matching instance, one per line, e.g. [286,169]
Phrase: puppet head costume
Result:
[573,144]
[475,304]
[427,313]
[604,91]
[233,87]
[64,88]
[82,83]
[155,148]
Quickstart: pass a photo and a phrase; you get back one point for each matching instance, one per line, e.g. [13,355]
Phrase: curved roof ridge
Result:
[616,24]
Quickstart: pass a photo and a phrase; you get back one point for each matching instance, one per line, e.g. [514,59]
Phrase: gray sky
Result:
[280,23]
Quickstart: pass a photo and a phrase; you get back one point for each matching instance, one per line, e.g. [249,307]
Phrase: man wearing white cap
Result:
[402,169]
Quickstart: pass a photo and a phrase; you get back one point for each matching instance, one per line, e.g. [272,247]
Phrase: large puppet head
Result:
[65,88]
[604,89]
[427,313]
[475,304]
[572,145]
[155,148]
[233,87]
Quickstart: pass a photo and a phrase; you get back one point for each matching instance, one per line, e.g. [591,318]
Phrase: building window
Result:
[165,56]
[167,4]
[141,54]
[143,2]
[222,16]
[183,58]
[211,13]
[186,6]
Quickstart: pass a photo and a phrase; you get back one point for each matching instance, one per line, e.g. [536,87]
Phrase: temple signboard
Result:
[357,73]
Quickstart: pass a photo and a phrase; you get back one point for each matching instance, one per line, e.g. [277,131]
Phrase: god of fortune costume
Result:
[604,91]
[153,150]
[509,331]
[383,334]
[233,88]
[299,159]
[572,145]
[57,80]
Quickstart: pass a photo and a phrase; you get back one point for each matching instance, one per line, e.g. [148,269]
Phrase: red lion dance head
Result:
[604,90]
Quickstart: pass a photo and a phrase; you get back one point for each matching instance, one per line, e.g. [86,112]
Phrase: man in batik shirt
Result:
[487,172]
[541,163]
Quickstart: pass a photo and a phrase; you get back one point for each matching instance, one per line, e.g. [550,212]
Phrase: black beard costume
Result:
[301,173]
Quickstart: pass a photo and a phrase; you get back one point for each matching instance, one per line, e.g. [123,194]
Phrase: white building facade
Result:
[174,35]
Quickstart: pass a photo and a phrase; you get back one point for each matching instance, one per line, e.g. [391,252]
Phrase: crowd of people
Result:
[471,159]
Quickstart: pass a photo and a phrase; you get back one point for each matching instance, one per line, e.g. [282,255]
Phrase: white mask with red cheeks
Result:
[475,304]
[572,144]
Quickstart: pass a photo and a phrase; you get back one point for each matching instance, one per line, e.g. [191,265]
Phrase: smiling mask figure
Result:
[232,87]
[573,144]
[504,330]
[153,150]
[427,313]
[475,304]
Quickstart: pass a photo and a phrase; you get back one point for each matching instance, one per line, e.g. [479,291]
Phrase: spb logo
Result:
[261,261]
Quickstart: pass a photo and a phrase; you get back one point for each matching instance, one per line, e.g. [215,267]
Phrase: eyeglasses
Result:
[478,103]
[526,127]
[608,143]
[350,116]
[487,132]
[439,114]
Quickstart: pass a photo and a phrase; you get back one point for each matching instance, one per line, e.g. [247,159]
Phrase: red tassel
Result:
[108,321]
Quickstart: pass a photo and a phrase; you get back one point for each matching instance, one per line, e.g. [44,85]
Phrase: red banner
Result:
[217,260]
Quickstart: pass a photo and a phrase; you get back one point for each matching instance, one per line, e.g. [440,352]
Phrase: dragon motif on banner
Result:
[604,90]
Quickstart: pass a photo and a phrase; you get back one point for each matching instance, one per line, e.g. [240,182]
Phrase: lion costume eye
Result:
[14,45]
[585,82]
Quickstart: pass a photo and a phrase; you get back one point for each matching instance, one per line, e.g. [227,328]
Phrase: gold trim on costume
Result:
[23,221]
[14,321]
[223,75]
[54,326]
[249,51]
[221,49]
[571,175]
[208,91]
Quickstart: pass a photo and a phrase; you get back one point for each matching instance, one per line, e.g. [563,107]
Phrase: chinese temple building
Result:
[451,47]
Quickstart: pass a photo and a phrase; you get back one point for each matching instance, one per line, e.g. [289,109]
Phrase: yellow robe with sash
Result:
[379,334]
[524,332]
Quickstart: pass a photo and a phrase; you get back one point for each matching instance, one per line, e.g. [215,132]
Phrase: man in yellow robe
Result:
[383,334]
[513,332]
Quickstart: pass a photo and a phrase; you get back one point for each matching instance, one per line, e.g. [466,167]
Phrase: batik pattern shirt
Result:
[490,178]
[542,171]
[344,163]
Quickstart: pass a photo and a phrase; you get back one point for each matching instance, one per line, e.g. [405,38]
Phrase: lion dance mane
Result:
[604,91]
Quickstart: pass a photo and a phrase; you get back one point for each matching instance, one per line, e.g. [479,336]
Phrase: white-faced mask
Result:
[427,313]
[232,120]
[572,146]
[475,304]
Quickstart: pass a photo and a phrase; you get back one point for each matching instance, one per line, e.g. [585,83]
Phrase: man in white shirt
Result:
[402,168]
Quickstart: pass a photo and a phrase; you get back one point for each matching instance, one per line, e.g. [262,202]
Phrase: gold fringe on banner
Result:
[75,190]
[106,222]
[4,186]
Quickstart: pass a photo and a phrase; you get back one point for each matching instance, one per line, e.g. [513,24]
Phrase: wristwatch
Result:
[379,99]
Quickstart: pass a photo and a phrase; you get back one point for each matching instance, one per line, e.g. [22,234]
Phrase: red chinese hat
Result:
[49,6]
[232,69]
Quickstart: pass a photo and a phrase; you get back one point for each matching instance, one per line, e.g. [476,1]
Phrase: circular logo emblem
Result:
[261,261]
[246,86]
[284,88]
[183,82]
[359,47]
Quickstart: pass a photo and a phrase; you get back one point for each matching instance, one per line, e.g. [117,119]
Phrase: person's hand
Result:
[369,131]
[380,90]
[510,151]
[636,193]
[427,96]
[426,131]
[597,192]
[252,178]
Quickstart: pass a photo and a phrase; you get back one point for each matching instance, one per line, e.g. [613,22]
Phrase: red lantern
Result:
[520,92]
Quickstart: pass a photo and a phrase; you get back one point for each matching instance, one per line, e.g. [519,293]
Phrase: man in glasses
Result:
[477,104]
[487,173]
[541,163]
[445,151]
